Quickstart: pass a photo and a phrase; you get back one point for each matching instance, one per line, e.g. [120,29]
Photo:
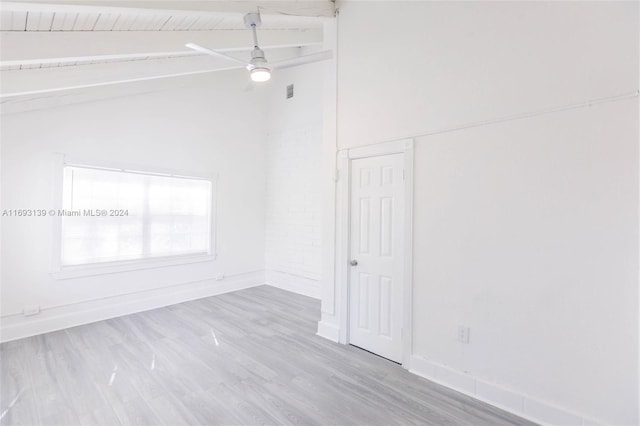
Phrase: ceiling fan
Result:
[258,67]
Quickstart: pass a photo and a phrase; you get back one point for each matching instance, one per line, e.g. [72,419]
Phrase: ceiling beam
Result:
[46,91]
[46,80]
[82,60]
[34,45]
[34,81]
[310,8]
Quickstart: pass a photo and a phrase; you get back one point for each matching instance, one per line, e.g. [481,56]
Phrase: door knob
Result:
[354,262]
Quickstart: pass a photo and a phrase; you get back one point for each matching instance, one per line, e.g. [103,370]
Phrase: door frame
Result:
[343,236]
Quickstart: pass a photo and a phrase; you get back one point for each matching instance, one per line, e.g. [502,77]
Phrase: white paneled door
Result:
[375,284]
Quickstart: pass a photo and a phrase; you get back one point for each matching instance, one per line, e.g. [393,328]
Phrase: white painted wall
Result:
[525,230]
[204,123]
[407,69]
[294,170]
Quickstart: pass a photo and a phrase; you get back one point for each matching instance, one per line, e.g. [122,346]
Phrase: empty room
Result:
[319,212]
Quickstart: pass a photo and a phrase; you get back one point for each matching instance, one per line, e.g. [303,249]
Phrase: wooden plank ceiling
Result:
[124,19]
[113,39]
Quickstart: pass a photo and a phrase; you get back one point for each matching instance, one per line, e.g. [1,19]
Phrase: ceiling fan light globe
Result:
[260,74]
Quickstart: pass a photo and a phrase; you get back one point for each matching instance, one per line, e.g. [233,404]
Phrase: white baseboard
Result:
[329,331]
[506,399]
[293,283]
[18,326]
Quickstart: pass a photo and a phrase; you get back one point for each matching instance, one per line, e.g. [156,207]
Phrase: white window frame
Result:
[60,271]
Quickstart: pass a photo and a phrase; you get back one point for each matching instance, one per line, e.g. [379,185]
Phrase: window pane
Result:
[166,216]
[178,208]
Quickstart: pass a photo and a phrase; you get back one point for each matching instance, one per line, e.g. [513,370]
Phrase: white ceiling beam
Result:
[309,8]
[46,80]
[34,81]
[100,58]
[39,92]
[26,45]
[79,60]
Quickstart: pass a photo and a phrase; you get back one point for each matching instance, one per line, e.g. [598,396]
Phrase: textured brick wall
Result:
[293,222]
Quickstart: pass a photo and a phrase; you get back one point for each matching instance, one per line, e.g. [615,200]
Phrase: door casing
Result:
[343,232]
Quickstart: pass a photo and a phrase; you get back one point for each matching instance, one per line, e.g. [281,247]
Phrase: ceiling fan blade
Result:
[6,97]
[304,59]
[201,49]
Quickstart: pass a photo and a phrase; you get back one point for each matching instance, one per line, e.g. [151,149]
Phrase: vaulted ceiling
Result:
[48,45]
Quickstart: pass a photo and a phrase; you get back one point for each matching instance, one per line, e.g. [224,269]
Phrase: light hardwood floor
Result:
[243,358]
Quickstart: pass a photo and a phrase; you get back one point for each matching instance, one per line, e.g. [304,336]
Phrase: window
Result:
[121,215]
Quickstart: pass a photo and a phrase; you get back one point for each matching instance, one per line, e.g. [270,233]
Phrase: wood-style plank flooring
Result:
[244,358]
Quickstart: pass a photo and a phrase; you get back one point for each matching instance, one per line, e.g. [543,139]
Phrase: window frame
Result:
[60,271]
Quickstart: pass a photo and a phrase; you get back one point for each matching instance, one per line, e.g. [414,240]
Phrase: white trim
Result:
[499,396]
[59,271]
[294,283]
[386,148]
[407,291]
[17,326]
[521,116]
[88,270]
[94,163]
[342,246]
[213,211]
[330,149]
[56,221]
[405,147]
[328,331]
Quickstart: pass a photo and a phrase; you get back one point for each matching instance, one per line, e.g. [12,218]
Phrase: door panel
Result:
[375,285]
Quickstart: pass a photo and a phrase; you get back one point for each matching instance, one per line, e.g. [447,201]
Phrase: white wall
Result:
[294,171]
[529,238]
[406,69]
[203,123]
[525,230]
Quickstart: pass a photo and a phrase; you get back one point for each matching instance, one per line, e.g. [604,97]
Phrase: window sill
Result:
[125,266]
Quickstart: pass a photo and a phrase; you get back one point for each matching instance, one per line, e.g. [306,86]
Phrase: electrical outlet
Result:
[463,334]
[29,310]
[219,277]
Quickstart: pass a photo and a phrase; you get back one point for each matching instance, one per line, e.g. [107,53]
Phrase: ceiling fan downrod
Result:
[258,68]
[255,35]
